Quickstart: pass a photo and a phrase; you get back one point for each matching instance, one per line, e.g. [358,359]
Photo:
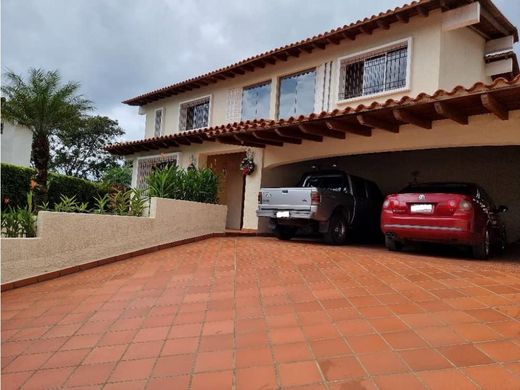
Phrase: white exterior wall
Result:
[16,145]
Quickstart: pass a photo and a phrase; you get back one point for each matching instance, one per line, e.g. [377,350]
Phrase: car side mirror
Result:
[502,209]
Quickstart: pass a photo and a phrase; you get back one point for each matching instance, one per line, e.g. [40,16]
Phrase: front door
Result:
[231,185]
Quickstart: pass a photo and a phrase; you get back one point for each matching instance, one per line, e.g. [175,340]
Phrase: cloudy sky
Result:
[118,49]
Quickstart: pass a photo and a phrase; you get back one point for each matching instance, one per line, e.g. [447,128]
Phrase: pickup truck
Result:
[330,202]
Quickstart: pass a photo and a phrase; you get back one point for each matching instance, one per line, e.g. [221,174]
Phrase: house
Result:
[16,144]
[430,88]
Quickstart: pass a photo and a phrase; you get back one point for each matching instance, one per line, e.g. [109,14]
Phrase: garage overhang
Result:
[497,98]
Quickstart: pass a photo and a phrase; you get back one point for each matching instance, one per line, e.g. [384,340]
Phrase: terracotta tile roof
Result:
[320,41]
[466,100]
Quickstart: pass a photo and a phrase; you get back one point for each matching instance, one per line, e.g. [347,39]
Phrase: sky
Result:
[118,49]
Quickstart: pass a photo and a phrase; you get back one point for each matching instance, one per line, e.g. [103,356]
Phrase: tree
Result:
[119,176]
[77,150]
[45,106]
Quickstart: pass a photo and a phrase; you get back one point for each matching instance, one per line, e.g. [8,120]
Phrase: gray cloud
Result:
[118,49]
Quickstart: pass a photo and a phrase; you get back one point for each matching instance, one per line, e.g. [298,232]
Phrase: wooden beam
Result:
[261,135]
[281,56]
[238,71]
[382,23]
[350,127]
[334,40]
[402,17]
[320,45]
[295,52]
[422,11]
[365,29]
[182,140]
[295,133]
[447,111]
[491,104]
[370,121]
[269,60]
[408,117]
[233,141]
[349,35]
[308,49]
[253,139]
[492,20]
[194,139]
[259,63]
[248,67]
[322,130]
[171,143]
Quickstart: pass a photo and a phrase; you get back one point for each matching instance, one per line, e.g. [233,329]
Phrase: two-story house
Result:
[431,87]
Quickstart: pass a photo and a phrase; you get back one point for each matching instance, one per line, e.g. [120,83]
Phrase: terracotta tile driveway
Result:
[256,313]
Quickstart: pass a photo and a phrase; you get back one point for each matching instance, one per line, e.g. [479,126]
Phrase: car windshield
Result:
[429,188]
[323,181]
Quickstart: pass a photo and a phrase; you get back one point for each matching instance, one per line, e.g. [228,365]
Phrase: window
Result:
[158,122]
[297,94]
[331,182]
[146,165]
[194,114]
[375,72]
[255,102]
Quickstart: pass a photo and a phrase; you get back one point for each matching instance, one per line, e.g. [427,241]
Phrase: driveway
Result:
[257,313]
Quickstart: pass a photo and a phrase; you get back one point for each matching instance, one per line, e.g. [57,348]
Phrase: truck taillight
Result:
[260,197]
[315,197]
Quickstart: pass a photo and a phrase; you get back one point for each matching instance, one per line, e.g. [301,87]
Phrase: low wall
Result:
[70,239]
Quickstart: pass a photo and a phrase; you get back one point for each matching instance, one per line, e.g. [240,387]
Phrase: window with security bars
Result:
[194,114]
[158,122]
[147,165]
[377,72]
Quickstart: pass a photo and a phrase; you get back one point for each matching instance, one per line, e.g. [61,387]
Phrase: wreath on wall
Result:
[247,165]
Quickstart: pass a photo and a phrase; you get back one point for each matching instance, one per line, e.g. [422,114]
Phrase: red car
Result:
[449,213]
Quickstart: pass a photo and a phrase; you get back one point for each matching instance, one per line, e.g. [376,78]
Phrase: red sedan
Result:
[449,213]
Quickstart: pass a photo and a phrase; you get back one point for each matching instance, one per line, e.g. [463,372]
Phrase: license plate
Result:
[282,214]
[421,208]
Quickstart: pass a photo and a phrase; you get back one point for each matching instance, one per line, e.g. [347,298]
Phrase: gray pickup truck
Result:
[329,202]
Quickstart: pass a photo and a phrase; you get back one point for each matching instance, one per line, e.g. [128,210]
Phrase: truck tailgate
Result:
[290,198]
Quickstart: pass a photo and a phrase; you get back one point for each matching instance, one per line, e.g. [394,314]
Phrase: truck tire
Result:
[338,230]
[482,250]
[284,232]
[393,245]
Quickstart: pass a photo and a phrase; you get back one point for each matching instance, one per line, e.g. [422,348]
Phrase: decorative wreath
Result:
[247,166]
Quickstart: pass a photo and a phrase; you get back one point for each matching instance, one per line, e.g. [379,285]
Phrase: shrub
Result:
[197,185]
[16,182]
[118,175]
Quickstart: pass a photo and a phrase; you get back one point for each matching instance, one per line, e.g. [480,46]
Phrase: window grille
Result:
[158,122]
[374,73]
[145,166]
[194,114]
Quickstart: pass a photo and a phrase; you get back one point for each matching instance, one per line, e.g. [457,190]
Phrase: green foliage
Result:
[101,204]
[45,105]
[66,204]
[132,202]
[16,182]
[20,222]
[78,149]
[197,185]
[119,175]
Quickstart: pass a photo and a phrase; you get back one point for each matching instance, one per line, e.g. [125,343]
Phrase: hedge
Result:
[16,182]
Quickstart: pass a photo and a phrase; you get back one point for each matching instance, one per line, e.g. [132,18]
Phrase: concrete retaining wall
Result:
[70,239]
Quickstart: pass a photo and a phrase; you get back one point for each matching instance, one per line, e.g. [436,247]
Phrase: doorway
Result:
[231,183]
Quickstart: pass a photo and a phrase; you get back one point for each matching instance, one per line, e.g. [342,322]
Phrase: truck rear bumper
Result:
[293,214]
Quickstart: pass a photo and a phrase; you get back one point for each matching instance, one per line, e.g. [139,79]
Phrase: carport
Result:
[496,168]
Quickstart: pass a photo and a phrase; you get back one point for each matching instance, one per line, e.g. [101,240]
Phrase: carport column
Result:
[252,187]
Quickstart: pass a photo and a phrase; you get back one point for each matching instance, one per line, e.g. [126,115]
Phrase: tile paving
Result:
[257,313]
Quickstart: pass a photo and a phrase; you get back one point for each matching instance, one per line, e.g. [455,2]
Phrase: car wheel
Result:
[393,245]
[338,230]
[482,250]
[285,232]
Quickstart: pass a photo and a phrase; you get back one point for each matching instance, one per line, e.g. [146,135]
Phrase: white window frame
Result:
[177,156]
[366,53]
[192,100]
[283,76]
[161,130]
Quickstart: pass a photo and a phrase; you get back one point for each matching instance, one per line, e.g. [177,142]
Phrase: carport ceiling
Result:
[457,105]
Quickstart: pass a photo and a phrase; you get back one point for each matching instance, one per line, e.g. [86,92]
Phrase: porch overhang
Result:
[497,98]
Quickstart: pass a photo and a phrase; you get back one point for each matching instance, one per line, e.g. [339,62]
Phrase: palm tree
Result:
[45,106]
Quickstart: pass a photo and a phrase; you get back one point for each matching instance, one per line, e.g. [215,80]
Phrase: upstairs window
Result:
[194,114]
[375,72]
[158,123]
[255,101]
[297,94]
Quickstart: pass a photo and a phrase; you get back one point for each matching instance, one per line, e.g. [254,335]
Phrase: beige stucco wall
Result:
[425,68]
[482,130]
[69,239]
[461,58]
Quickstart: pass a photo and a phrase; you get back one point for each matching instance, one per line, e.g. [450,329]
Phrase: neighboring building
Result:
[402,81]
[16,144]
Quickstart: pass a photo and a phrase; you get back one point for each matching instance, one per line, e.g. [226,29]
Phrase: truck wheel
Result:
[285,232]
[337,233]
[393,245]
[482,250]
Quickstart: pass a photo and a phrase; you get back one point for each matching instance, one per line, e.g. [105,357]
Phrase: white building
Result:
[16,144]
